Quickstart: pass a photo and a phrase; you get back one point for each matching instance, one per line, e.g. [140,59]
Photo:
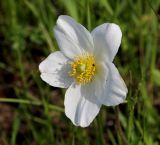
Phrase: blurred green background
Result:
[31,112]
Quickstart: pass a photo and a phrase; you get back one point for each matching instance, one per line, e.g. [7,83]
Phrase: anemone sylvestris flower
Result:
[84,66]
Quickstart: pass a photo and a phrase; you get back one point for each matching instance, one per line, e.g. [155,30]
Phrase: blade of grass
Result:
[16,125]
[30,102]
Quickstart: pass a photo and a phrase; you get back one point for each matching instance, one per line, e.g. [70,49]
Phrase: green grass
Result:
[26,38]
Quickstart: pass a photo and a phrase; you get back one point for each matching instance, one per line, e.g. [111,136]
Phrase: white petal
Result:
[54,70]
[116,90]
[99,80]
[107,39]
[78,107]
[72,37]
[66,44]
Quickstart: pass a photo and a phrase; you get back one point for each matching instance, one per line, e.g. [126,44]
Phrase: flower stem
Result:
[100,128]
[119,128]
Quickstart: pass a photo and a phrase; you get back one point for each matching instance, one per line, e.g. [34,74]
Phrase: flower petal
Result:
[72,37]
[99,81]
[115,91]
[54,70]
[107,39]
[78,107]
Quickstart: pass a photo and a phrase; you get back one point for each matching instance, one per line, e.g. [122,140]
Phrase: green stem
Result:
[100,128]
[30,102]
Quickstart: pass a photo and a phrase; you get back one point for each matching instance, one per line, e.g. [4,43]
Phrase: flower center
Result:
[83,68]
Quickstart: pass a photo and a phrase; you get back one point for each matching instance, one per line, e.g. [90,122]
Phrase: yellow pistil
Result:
[83,68]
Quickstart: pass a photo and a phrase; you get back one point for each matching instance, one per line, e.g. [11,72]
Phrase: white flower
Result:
[84,66]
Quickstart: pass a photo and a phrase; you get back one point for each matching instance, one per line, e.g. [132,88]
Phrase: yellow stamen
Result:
[83,68]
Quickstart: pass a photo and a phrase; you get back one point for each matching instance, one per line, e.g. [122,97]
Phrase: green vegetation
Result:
[31,112]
